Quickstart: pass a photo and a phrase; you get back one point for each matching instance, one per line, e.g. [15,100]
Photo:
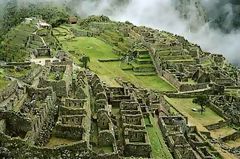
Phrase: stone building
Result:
[59,76]
[185,141]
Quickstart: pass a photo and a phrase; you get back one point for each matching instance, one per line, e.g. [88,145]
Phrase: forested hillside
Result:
[12,14]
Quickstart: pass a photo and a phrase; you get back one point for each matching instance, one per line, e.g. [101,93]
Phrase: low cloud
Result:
[162,15]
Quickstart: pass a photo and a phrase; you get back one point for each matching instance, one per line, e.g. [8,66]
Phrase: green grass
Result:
[147,121]
[233,143]
[222,132]
[54,141]
[107,149]
[14,43]
[53,75]
[3,83]
[233,92]
[142,65]
[109,71]
[185,106]
[17,74]
[159,148]
[190,81]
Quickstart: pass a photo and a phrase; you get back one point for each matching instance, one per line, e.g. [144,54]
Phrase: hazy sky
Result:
[162,15]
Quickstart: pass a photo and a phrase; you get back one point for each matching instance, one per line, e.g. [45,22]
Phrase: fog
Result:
[161,14]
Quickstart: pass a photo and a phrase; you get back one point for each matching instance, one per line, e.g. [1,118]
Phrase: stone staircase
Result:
[143,65]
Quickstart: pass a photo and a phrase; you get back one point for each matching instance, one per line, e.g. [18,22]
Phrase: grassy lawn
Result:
[159,148]
[185,106]
[232,143]
[17,74]
[109,71]
[3,82]
[107,149]
[53,75]
[54,141]
[233,92]
[225,131]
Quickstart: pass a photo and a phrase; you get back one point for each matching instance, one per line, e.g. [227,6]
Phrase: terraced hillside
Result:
[97,49]
[103,89]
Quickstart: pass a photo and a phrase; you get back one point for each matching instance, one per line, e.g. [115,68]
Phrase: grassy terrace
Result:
[159,148]
[54,141]
[185,106]
[53,75]
[209,117]
[109,71]
[17,74]
[225,131]
[233,92]
[3,83]
[232,143]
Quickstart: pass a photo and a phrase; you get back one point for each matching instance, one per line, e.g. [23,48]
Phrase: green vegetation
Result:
[186,106]
[55,75]
[85,60]
[233,92]
[3,81]
[55,141]
[13,38]
[203,101]
[109,71]
[222,132]
[14,13]
[159,148]
[107,149]
[17,73]
[13,47]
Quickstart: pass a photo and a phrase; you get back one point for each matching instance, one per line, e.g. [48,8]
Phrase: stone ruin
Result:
[136,140]
[74,119]
[25,111]
[57,75]
[100,121]
[185,141]
[227,106]
[42,52]
[181,63]
[88,119]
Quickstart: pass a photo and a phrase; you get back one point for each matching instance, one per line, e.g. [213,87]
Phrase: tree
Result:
[10,16]
[85,59]
[203,101]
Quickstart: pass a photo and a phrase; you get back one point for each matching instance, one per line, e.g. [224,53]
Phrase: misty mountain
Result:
[193,11]
[220,14]
[223,14]
[212,24]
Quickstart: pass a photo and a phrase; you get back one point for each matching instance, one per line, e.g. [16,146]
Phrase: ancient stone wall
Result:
[40,93]
[16,122]
[58,86]
[138,150]
[3,126]
[106,138]
[171,78]
[218,125]
[32,74]
[20,149]
[11,88]
[192,87]
[69,132]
